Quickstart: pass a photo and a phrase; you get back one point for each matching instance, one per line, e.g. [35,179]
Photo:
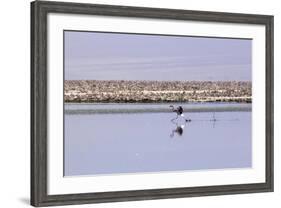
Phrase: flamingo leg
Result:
[175,118]
[186,119]
[172,134]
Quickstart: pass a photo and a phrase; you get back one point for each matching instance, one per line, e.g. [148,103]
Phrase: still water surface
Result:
[105,143]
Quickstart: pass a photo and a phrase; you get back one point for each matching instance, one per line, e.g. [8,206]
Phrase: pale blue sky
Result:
[114,56]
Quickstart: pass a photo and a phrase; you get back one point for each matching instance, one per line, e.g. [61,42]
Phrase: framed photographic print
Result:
[131,103]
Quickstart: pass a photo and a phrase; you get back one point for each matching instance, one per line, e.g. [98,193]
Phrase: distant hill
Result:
[156,91]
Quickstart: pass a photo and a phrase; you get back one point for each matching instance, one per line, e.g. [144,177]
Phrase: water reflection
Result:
[178,130]
[141,142]
[213,120]
[180,123]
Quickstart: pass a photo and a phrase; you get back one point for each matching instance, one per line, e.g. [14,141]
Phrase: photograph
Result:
[151,103]
[136,103]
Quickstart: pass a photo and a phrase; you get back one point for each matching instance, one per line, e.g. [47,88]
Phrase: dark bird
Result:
[179,112]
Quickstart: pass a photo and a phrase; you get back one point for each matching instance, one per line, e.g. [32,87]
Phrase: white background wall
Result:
[15,96]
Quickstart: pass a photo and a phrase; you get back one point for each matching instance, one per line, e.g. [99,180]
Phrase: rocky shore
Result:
[156,91]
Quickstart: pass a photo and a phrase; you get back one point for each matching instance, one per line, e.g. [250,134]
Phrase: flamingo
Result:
[179,111]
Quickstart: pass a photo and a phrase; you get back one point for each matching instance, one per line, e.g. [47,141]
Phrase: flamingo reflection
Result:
[178,130]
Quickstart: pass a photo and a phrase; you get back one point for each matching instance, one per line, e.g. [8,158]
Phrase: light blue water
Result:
[94,108]
[150,142]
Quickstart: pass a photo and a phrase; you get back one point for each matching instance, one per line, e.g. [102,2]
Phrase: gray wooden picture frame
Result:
[39,12]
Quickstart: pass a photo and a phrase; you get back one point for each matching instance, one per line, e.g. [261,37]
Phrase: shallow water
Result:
[96,108]
[151,142]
